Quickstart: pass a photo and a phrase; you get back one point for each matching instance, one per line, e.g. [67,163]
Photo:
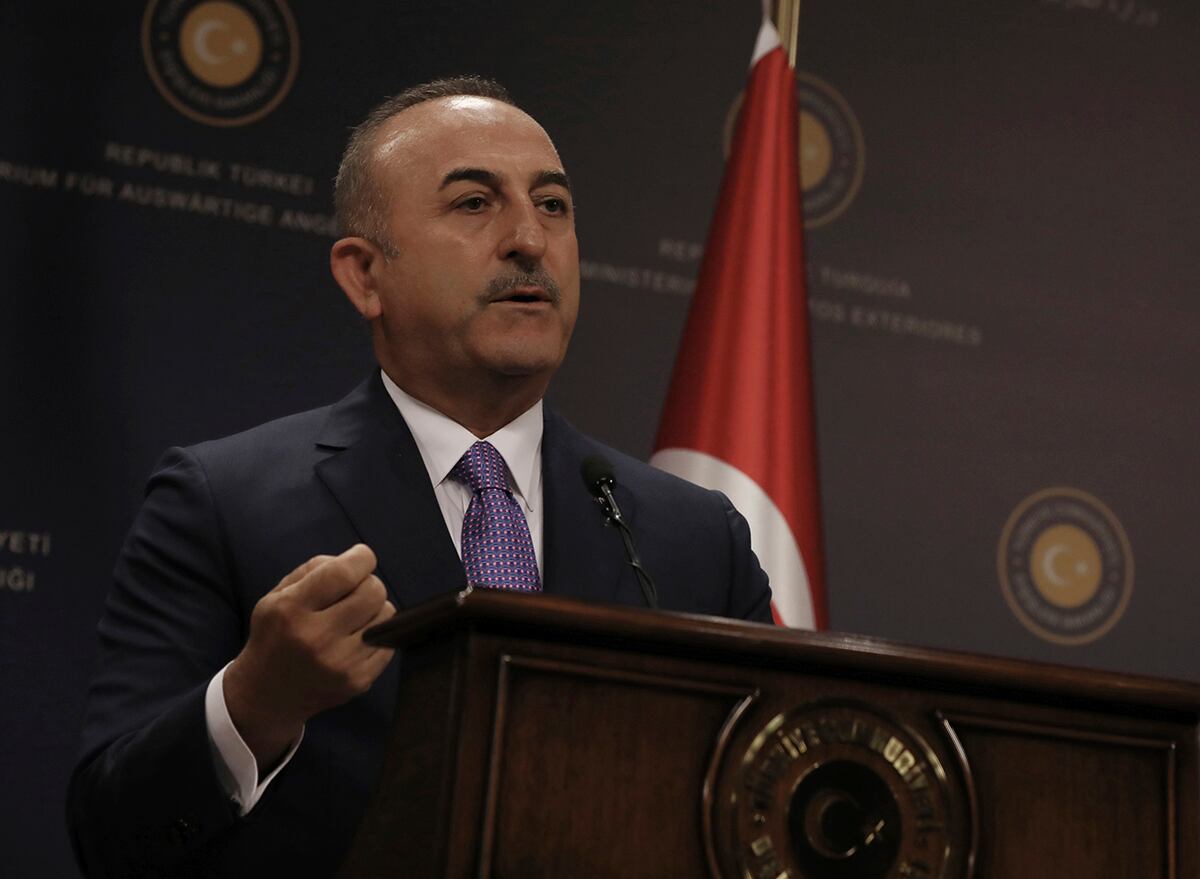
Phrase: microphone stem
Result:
[614,516]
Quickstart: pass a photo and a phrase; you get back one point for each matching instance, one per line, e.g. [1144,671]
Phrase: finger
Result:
[366,669]
[357,608]
[329,582]
[301,572]
[374,659]
[353,651]
[385,613]
[378,661]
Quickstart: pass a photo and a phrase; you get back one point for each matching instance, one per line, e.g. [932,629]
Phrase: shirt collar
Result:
[442,441]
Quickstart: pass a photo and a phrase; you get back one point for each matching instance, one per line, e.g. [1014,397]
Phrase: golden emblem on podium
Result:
[838,791]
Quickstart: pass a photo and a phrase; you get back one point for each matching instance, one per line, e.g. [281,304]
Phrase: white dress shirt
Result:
[441,442]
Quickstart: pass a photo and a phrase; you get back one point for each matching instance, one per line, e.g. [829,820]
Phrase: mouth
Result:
[525,295]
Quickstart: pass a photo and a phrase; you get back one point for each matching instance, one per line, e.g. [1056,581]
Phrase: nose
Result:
[525,237]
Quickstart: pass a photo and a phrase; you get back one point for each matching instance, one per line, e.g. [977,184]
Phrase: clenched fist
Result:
[305,652]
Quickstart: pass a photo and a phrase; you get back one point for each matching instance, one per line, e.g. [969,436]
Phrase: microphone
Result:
[598,476]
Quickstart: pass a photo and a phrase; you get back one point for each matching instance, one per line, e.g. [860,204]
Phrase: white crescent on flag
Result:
[770,537]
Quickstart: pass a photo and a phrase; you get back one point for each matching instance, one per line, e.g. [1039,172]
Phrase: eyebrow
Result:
[552,178]
[476,175]
[492,180]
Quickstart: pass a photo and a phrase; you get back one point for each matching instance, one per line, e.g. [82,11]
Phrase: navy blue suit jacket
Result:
[224,521]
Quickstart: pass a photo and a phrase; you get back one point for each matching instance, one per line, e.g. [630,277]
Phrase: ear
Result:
[354,263]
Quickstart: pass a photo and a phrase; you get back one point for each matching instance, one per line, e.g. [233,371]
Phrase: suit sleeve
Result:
[750,590]
[145,798]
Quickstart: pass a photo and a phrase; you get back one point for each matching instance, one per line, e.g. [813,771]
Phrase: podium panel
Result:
[541,737]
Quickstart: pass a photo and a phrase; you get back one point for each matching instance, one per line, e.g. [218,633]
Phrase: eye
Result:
[472,204]
[554,205]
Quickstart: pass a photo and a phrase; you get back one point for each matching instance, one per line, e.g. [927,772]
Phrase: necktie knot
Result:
[481,467]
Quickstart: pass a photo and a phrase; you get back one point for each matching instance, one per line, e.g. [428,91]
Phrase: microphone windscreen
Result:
[596,471]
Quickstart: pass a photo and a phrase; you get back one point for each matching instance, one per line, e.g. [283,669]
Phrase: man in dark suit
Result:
[237,720]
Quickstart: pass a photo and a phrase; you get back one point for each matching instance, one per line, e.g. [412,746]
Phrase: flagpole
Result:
[787,22]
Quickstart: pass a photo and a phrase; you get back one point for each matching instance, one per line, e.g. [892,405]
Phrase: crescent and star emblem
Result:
[204,49]
[1051,571]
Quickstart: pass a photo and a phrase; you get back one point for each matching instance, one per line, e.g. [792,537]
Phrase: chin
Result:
[517,364]
[517,360]
[524,367]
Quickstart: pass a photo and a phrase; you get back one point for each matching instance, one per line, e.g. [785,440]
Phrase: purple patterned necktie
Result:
[497,550]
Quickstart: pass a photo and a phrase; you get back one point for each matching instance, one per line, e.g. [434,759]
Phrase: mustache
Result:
[532,277]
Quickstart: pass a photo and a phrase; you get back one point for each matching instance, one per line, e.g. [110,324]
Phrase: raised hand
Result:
[305,652]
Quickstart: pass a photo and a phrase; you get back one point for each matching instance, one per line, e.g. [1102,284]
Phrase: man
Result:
[237,720]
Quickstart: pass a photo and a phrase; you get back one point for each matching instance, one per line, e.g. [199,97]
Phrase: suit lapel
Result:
[377,476]
[379,479]
[583,557]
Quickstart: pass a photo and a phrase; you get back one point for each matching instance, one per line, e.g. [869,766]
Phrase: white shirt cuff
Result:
[236,767]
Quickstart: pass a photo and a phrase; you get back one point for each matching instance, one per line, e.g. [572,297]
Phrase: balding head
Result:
[360,200]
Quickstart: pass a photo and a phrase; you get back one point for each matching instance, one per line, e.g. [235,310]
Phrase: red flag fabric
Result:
[739,412]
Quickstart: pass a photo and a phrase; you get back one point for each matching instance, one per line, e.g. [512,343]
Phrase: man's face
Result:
[485,280]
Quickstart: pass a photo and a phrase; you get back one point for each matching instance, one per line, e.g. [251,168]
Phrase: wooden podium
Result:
[540,737]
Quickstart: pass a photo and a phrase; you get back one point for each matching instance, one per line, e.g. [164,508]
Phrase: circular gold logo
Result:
[221,62]
[1065,566]
[832,152]
[841,792]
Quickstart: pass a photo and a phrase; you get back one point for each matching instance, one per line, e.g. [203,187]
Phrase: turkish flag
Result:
[739,412]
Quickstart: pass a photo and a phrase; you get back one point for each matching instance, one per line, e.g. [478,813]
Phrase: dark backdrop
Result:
[1002,273]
